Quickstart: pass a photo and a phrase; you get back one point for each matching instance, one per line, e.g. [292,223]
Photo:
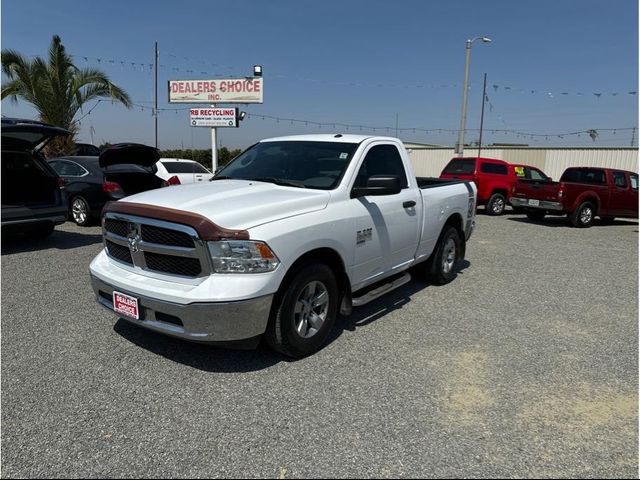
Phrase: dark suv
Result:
[32,198]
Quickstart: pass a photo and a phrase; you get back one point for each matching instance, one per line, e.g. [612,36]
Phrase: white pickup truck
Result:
[291,232]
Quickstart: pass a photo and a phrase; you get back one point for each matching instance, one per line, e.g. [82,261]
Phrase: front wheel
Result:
[583,216]
[303,319]
[496,204]
[441,267]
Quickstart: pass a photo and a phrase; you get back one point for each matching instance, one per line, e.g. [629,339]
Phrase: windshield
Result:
[317,165]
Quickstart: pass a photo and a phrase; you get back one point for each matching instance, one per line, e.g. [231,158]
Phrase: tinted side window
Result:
[461,165]
[594,177]
[382,160]
[184,167]
[68,169]
[496,168]
[619,179]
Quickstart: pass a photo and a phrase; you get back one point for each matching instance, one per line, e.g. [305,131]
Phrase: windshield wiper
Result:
[221,177]
[278,181]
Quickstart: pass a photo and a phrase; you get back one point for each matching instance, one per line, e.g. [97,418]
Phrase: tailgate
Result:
[537,189]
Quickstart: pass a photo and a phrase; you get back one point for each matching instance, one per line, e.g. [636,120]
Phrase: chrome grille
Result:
[163,236]
[155,245]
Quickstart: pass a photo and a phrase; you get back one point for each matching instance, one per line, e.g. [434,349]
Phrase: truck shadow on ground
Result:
[60,240]
[555,222]
[218,359]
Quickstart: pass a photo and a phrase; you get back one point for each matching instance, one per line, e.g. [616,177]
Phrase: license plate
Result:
[125,305]
[534,203]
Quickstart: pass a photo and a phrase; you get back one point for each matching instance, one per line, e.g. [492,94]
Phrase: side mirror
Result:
[378,185]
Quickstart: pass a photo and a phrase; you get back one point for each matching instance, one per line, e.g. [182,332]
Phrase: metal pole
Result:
[633,136]
[214,148]
[465,91]
[155,111]
[484,96]
[396,125]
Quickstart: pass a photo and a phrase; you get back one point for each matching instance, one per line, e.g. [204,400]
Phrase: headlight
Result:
[242,256]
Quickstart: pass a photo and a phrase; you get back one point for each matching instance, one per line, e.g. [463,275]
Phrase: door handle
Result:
[409,204]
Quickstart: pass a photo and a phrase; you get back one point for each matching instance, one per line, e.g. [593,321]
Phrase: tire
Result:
[583,216]
[79,211]
[536,215]
[441,267]
[496,204]
[311,293]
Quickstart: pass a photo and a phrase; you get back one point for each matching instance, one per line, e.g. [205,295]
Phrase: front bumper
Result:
[200,322]
[519,202]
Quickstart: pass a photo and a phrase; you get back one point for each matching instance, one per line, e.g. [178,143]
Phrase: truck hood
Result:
[236,204]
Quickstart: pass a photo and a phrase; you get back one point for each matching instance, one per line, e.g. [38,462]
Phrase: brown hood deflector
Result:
[207,230]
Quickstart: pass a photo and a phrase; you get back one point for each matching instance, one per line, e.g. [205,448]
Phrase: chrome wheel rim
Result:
[449,256]
[311,309]
[79,210]
[498,205]
[586,215]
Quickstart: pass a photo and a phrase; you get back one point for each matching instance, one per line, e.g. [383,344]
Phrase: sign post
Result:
[234,90]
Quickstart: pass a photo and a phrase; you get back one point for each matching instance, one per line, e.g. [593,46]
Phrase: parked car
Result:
[179,171]
[32,192]
[310,225]
[93,181]
[582,193]
[494,178]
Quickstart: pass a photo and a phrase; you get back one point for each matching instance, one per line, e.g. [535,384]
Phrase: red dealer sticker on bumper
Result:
[125,305]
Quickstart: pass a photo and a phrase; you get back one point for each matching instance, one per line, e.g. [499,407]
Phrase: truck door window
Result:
[534,174]
[619,179]
[634,182]
[496,168]
[381,160]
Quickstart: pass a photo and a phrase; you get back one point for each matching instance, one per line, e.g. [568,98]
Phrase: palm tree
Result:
[57,88]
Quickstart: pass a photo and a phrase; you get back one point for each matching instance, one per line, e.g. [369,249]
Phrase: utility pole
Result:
[155,110]
[396,125]
[633,136]
[484,96]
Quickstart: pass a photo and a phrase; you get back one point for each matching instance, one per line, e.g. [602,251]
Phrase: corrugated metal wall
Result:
[429,162]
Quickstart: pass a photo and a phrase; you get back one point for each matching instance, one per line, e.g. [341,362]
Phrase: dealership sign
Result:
[235,90]
[213,117]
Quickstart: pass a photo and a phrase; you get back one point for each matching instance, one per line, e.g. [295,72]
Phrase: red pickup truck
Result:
[494,178]
[582,193]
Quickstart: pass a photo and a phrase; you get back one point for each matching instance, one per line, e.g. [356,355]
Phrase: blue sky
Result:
[353,62]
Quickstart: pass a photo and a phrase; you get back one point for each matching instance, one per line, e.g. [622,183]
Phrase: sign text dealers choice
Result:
[247,90]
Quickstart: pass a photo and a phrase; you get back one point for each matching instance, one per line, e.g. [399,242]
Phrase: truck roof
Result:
[333,137]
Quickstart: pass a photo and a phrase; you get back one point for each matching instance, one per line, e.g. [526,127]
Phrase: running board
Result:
[381,290]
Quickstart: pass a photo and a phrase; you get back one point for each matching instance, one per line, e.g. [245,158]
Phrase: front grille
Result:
[120,252]
[165,236]
[156,245]
[119,227]
[186,266]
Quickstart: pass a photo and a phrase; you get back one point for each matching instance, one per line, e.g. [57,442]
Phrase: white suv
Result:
[180,171]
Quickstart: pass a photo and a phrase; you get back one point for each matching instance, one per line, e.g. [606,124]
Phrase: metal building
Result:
[429,162]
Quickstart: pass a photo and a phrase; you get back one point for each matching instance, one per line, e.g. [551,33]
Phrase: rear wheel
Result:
[583,216]
[536,215]
[306,313]
[441,267]
[80,211]
[496,204]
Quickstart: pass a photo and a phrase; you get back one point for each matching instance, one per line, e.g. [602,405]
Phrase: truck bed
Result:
[430,182]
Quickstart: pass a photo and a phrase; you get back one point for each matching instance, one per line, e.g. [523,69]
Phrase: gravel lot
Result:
[526,365]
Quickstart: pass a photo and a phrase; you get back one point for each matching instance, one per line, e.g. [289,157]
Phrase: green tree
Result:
[56,88]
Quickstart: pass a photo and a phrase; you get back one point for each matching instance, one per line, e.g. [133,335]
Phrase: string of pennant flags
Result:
[497,88]
[593,133]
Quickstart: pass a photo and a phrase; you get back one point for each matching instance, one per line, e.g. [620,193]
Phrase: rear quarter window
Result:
[461,165]
[495,168]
